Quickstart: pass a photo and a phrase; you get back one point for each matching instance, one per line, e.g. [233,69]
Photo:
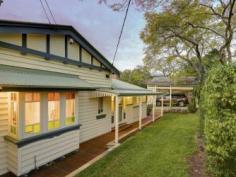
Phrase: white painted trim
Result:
[117,101]
[140,113]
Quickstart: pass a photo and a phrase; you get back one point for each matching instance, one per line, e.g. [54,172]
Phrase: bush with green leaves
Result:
[219,103]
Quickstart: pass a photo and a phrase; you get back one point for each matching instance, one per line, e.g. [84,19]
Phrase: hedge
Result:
[219,103]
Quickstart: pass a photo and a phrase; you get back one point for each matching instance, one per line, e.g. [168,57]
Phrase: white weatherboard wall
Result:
[29,157]
[3,132]
[132,112]
[13,58]
[88,110]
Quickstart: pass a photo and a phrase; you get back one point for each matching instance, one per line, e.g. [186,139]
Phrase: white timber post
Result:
[117,100]
[140,113]
[153,108]
[162,105]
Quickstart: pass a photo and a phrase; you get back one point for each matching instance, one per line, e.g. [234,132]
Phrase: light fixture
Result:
[71,41]
[1,1]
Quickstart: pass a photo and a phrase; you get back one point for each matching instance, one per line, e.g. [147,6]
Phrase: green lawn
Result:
[159,150]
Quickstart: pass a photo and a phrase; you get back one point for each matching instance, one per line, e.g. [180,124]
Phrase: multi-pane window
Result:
[32,112]
[70,108]
[100,105]
[13,113]
[144,99]
[53,110]
[129,100]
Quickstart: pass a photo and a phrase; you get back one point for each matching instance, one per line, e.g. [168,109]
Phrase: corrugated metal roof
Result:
[126,89]
[14,77]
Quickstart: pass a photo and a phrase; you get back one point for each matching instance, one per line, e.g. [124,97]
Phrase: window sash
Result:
[100,105]
[70,108]
[32,113]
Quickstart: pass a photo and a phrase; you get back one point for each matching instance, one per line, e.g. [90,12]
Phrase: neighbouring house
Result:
[56,91]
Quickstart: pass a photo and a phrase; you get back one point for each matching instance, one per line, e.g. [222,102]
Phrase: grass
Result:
[159,150]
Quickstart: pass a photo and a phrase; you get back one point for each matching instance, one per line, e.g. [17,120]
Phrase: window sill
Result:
[48,135]
[101,116]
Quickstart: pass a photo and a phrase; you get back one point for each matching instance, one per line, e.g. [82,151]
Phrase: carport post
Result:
[117,100]
[162,105]
[153,108]
[140,113]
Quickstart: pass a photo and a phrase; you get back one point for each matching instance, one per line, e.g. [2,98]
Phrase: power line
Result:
[45,12]
[122,29]
[50,11]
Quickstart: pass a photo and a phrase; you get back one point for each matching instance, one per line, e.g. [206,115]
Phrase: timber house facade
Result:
[57,91]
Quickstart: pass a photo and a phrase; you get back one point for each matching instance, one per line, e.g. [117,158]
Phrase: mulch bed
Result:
[197,161]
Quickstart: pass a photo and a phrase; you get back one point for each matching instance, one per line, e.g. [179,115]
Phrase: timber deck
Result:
[87,151]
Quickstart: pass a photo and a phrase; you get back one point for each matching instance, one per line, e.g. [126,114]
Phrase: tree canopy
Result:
[184,32]
[138,76]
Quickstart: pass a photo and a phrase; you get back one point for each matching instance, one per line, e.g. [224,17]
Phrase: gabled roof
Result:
[41,28]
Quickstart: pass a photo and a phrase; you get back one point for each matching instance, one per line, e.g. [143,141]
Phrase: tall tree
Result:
[138,76]
[183,32]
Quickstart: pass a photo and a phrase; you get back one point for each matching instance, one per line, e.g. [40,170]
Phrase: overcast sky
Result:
[97,23]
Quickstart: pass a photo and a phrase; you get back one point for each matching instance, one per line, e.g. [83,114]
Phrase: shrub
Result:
[219,103]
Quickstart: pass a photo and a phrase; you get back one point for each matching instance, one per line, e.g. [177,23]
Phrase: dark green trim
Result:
[102,116]
[27,141]
[80,53]
[39,28]
[48,45]
[66,46]
[91,60]
[24,43]
[49,56]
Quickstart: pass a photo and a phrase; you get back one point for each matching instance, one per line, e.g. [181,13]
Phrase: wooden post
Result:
[153,108]
[140,113]
[162,106]
[117,100]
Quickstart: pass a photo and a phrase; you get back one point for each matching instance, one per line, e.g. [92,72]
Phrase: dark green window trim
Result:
[44,136]
[102,116]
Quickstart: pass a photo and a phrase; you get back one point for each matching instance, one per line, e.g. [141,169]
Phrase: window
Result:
[144,99]
[13,114]
[53,110]
[112,104]
[129,100]
[32,112]
[100,105]
[70,108]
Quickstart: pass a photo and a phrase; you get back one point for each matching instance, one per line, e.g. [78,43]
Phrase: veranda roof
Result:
[122,88]
[16,77]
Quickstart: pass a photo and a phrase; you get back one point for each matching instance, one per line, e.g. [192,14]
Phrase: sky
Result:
[98,23]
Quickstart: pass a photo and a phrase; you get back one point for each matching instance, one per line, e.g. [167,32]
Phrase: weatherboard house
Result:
[56,91]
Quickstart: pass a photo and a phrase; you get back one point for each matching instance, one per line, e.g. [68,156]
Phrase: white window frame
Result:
[50,130]
[44,114]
